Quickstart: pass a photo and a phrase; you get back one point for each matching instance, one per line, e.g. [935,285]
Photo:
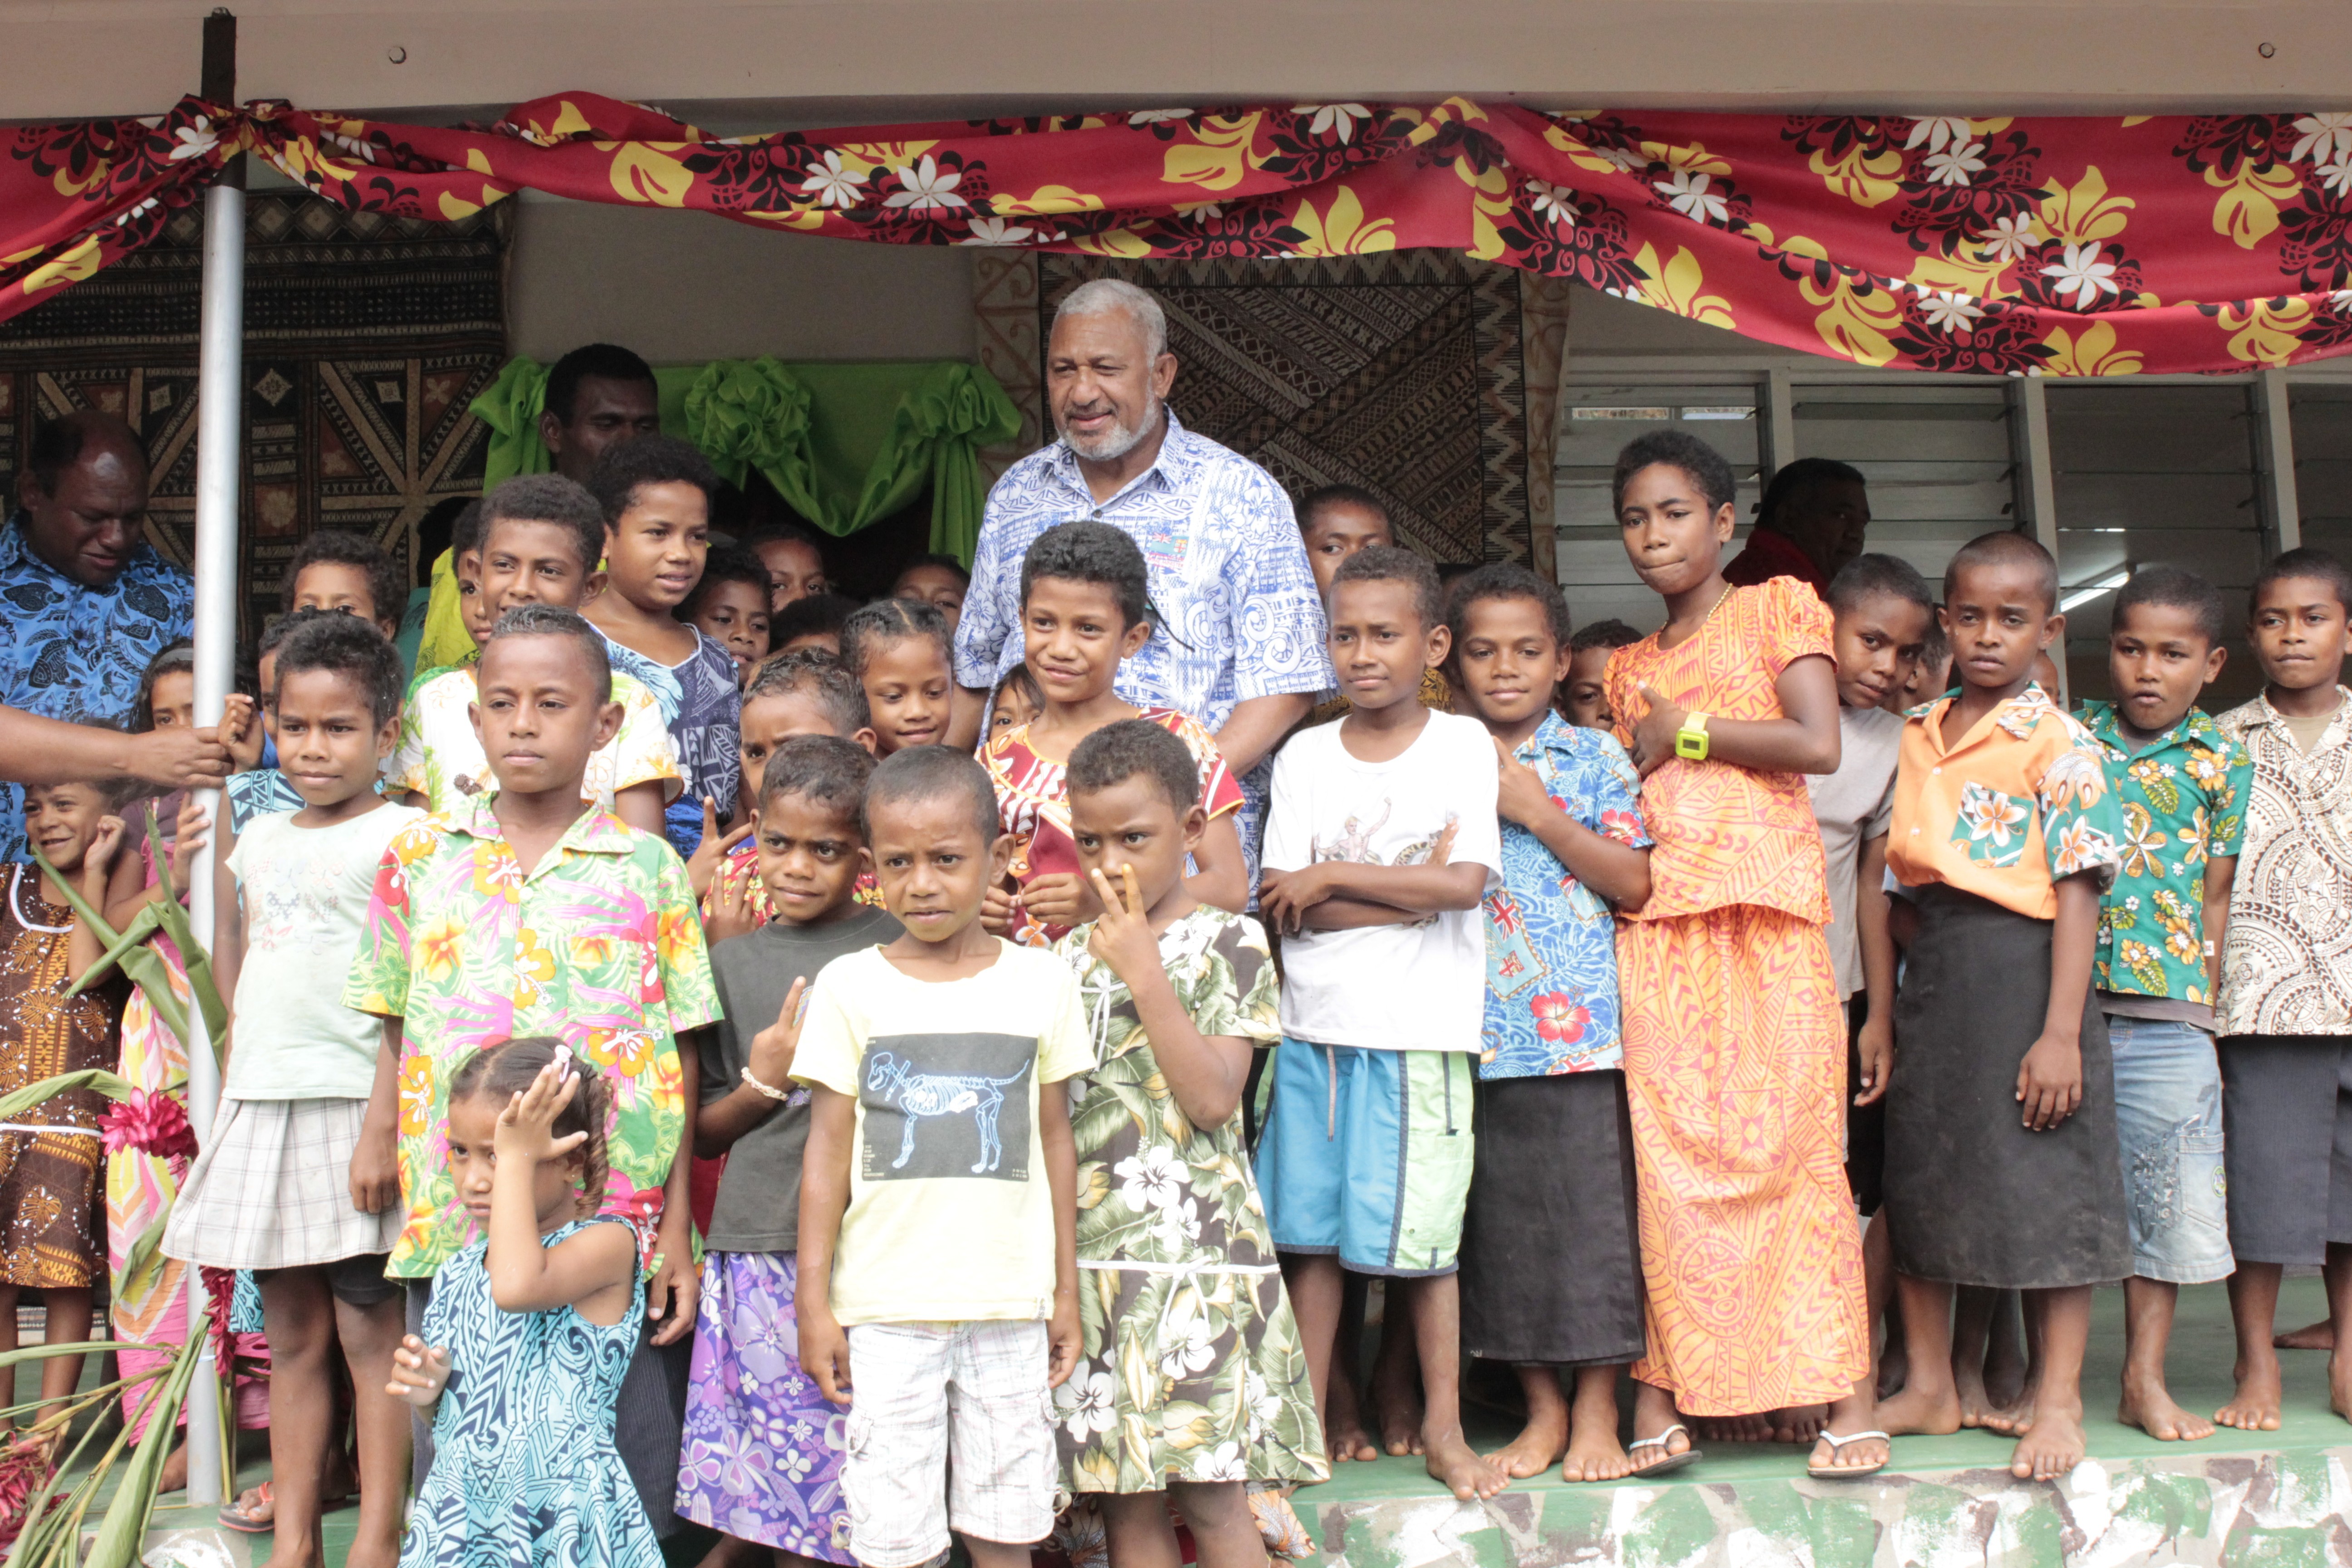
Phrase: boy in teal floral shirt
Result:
[2181,784]
[525,912]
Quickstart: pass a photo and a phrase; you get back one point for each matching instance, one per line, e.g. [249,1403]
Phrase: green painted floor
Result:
[2202,1356]
[2202,1350]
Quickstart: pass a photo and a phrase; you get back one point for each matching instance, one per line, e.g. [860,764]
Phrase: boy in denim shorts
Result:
[2181,784]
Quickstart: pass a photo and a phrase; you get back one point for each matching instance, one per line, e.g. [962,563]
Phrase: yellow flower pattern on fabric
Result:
[534,966]
[2183,796]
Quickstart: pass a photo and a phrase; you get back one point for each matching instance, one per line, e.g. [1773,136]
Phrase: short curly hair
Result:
[931,773]
[550,499]
[826,768]
[1090,552]
[555,621]
[724,564]
[1387,563]
[1675,449]
[820,676]
[648,460]
[1505,580]
[387,591]
[345,645]
[1118,752]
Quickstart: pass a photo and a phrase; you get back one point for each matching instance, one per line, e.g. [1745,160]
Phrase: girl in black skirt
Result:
[2000,1121]
[1550,1267]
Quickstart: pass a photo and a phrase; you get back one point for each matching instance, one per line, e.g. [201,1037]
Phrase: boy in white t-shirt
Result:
[290,1182]
[1380,842]
[939,1216]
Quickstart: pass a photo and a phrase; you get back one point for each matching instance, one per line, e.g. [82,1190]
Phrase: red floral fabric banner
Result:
[2016,246]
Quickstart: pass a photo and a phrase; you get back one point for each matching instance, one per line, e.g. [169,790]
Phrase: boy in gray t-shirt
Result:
[747,1394]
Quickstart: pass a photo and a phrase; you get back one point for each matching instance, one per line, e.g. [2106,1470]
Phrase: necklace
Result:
[1720,599]
[16,877]
[1706,620]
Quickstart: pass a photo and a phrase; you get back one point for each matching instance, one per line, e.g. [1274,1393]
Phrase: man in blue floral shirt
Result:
[2181,786]
[1237,630]
[88,603]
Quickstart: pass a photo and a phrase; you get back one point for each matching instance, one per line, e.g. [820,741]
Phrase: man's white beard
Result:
[1120,440]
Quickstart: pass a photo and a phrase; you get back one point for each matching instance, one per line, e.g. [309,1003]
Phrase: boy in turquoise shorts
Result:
[1380,845]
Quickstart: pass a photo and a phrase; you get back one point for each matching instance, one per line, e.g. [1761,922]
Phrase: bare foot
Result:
[1894,1367]
[2010,1420]
[2147,1404]
[1798,1422]
[1543,1440]
[1595,1455]
[2053,1446]
[1343,1424]
[1968,1387]
[2339,1385]
[2256,1406]
[1916,1410]
[1452,1461]
[1398,1411]
[2318,1336]
[1755,1428]
[175,1471]
[1395,1391]
[1869,1454]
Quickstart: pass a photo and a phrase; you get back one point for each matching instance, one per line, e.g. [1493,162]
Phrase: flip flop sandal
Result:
[233,1516]
[1838,1446]
[1672,1462]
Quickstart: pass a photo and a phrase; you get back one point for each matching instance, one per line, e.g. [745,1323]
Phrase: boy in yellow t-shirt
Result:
[937,1229]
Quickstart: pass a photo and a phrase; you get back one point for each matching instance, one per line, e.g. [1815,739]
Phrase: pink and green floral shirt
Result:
[599,946]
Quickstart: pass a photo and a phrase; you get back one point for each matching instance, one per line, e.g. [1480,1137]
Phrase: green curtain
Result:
[844,444]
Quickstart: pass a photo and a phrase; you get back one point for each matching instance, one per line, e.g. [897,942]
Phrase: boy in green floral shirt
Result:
[526,911]
[2181,784]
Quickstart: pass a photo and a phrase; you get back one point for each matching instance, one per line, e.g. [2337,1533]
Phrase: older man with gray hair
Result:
[1237,639]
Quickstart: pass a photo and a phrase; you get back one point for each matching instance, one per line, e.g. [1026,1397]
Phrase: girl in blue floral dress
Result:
[528,1332]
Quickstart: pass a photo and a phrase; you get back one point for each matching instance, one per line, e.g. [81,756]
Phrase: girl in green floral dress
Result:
[1191,1383]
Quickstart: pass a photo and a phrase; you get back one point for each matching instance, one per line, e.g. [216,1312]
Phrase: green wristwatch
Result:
[1690,741]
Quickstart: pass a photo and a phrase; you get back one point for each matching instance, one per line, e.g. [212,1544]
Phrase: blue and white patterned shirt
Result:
[1551,942]
[71,651]
[1238,616]
[701,708]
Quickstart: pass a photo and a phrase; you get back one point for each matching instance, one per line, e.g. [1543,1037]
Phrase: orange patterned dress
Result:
[1734,1043]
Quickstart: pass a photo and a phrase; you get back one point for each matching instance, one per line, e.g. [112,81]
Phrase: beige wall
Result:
[737,64]
[680,288]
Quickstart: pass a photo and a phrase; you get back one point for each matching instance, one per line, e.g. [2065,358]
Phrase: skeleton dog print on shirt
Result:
[944,1105]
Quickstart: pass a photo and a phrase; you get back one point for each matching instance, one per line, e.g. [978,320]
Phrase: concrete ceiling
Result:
[756,65]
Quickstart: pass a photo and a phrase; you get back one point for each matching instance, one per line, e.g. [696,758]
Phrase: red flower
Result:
[1558,1020]
[220,1287]
[152,1123]
[25,1464]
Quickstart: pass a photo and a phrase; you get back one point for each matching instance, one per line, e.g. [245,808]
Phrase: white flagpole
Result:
[220,394]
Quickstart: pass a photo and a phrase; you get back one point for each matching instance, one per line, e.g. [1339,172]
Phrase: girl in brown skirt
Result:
[50,1154]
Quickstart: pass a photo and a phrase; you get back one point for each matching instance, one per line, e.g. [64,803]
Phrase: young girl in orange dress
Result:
[1734,1047]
